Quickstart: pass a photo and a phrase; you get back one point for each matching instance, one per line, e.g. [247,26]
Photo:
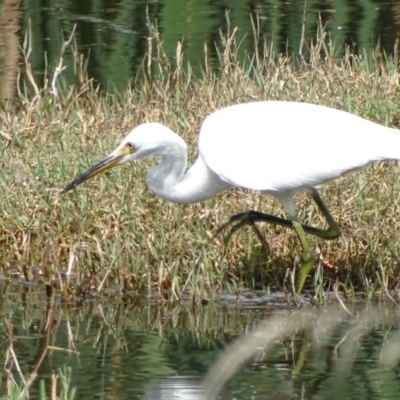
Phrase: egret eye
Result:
[130,145]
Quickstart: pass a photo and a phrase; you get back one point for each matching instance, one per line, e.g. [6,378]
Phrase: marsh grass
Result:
[60,387]
[113,237]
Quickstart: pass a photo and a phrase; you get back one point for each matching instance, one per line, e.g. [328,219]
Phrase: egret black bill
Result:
[109,162]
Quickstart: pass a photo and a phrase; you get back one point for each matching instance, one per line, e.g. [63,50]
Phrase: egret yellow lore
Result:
[275,147]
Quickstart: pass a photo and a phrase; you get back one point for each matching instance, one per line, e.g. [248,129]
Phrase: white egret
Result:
[275,147]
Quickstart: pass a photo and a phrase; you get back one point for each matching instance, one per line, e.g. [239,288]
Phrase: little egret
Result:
[275,147]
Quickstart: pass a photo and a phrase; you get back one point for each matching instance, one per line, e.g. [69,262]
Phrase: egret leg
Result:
[333,231]
[307,255]
[239,225]
[250,217]
[241,220]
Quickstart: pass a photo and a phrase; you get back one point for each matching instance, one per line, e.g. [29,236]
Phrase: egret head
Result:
[144,141]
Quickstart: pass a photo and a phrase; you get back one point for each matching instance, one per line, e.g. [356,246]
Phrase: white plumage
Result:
[276,146]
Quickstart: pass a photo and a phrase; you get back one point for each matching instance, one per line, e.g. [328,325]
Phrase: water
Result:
[153,351]
[113,34]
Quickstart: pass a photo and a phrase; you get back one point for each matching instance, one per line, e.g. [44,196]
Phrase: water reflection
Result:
[154,351]
[114,35]
[176,387]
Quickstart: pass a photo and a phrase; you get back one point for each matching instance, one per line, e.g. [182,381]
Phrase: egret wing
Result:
[277,146]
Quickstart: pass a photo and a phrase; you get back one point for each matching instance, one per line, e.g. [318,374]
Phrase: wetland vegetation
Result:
[114,237]
[112,240]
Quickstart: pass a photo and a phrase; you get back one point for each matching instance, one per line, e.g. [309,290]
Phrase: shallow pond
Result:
[149,350]
[113,35]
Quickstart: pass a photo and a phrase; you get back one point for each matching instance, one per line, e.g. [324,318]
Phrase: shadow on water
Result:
[150,350]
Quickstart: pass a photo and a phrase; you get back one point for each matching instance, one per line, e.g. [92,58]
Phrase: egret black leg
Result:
[333,231]
[250,217]
[238,222]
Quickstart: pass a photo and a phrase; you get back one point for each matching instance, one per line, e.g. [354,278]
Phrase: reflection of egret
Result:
[274,147]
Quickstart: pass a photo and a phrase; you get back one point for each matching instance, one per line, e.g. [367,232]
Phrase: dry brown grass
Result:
[113,236]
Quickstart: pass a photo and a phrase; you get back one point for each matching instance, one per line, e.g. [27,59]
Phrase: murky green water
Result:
[144,350]
[113,35]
